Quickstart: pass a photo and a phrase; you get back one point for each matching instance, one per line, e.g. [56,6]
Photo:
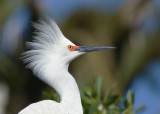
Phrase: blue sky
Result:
[64,8]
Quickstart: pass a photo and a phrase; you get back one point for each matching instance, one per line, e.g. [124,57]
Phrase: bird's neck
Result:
[63,82]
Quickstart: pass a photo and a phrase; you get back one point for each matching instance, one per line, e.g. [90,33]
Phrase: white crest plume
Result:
[42,48]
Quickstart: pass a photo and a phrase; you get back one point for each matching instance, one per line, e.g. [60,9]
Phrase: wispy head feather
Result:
[42,49]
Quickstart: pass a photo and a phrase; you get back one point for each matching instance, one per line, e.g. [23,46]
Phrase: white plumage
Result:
[49,57]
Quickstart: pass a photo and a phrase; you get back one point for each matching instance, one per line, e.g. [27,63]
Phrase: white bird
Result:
[49,57]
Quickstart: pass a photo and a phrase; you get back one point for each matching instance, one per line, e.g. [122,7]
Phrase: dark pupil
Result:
[69,46]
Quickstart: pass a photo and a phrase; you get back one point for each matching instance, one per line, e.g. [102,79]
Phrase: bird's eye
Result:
[69,47]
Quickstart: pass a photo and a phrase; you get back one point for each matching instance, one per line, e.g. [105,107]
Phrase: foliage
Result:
[94,102]
[122,29]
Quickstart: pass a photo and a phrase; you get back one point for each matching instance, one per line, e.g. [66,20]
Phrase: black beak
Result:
[92,48]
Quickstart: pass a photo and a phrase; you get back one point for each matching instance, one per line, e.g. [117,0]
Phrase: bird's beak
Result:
[92,48]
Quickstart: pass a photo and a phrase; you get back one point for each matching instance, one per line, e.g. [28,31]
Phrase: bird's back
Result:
[44,107]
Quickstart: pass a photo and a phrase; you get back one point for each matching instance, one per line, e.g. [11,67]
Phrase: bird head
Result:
[50,48]
[73,51]
[68,51]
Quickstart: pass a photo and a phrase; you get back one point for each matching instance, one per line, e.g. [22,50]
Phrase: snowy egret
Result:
[49,57]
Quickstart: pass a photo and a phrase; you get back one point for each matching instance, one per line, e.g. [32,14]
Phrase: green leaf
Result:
[114,107]
[107,95]
[87,91]
[94,108]
[112,99]
[85,98]
[99,83]
[130,97]
[55,96]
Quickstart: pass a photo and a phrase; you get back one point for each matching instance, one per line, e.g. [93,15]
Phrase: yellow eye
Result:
[69,47]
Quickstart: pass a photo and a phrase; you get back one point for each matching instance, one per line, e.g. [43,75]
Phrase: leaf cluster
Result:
[94,102]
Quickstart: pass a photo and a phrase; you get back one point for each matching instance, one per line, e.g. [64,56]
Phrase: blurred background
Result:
[133,26]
